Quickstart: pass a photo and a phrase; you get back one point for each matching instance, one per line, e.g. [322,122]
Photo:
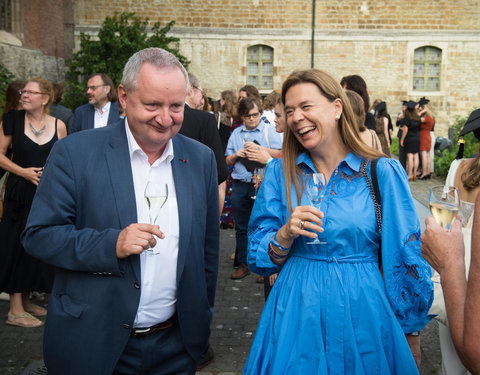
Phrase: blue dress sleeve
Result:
[268,215]
[407,275]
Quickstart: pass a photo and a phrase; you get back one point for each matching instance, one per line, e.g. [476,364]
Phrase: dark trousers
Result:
[160,353]
[242,204]
[402,157]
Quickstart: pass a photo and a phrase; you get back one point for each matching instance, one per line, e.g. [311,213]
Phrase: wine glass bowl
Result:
[156,195]
[444,204]
[315,186]
[258,174]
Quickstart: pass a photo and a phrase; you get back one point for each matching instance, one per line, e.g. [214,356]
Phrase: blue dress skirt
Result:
[331,311]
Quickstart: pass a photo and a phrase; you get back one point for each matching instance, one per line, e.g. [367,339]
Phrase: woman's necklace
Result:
[37,132]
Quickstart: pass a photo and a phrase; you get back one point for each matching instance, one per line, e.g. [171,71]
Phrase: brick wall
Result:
[293,14]
[43,26]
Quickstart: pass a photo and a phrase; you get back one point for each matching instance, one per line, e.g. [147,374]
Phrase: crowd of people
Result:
[352,304]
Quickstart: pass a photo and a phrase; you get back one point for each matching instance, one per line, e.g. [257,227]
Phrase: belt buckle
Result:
[141,331]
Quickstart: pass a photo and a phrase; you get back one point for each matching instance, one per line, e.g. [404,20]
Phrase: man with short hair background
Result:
[102,106]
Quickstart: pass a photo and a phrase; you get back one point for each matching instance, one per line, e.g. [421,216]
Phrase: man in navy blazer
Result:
[102,106]
[114,307]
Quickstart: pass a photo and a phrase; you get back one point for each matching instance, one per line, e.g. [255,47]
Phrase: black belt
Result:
[141,332]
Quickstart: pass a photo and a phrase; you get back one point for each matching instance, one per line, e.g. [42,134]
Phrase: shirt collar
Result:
[134,148]
[257,129]
[352,160]
[105,108]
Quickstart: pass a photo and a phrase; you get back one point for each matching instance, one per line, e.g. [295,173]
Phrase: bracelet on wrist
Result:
[415,333]
[274,255]
[269,160]
[274,242]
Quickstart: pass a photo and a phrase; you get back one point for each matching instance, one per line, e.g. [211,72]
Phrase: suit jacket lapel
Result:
[183,187]
[121,178]
[91,117]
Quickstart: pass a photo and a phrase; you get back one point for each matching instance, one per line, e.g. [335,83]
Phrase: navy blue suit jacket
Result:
[84,117]
[84,199]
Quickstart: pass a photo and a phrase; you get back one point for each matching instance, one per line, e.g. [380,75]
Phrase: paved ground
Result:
[237,310]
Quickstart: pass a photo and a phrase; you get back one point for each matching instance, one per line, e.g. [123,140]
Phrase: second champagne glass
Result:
[315,185]
[257,179]
[444,204]
[156,195]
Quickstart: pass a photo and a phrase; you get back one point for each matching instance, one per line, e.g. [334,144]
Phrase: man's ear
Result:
[122,96]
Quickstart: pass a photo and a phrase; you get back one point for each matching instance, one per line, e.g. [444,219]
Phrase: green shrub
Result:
[442,163]
[394,146]
[5,78]
[119,38]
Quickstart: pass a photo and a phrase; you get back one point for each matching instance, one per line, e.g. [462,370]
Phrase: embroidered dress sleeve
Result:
[407,275]
[268,215]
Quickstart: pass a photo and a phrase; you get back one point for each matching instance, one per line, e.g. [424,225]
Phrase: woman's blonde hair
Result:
[331,90]
[47,88]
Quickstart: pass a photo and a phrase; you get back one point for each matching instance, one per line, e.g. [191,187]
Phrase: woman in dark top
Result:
[411,139]
[31,133]
[358,84]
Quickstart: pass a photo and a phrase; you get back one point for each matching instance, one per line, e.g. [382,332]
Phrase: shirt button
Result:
[127,326]
[136,285]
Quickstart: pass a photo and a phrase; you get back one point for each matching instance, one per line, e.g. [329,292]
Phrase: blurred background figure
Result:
[252,135]
[59,111]
[358,84]
[411,138]
[269,106]
[368,136]
[426,127]
[382,120]
[31,132]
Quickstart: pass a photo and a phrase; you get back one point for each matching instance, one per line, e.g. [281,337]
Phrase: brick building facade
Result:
[404,50]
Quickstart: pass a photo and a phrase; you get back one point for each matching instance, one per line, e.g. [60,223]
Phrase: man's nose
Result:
[163,117]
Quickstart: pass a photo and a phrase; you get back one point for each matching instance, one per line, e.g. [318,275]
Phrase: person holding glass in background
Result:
[31,133]
[464,174]
[312,322]
[253,134]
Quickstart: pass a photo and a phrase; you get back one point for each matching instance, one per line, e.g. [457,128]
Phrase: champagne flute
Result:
[444,204]
[315,185]
[156,195]
[257,179]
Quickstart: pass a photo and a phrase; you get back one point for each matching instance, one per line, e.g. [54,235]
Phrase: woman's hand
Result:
[257,153]
[441,248]
[32,175]
[304,221]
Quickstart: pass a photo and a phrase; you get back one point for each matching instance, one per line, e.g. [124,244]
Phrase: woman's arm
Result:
[385,130]
[404,134]
[30,174]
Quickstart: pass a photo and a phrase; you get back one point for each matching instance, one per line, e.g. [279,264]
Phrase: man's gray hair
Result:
[193,80]
[157,57]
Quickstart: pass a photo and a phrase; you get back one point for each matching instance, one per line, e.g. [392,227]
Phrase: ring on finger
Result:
[301,224]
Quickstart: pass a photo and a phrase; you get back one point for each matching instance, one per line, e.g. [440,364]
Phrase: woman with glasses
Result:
[254,133]
[31,132]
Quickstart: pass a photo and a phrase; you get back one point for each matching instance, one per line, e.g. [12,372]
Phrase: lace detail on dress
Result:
[409,281]
[339,185]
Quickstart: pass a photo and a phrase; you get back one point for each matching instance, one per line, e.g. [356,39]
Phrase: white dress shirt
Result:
[158,289]
[101,119]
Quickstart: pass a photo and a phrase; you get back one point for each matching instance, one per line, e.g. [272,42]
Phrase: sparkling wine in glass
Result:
[315,185]
[257,179]
[156,195]
[444,204]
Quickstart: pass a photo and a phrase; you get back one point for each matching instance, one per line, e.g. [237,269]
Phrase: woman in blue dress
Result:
[333,308]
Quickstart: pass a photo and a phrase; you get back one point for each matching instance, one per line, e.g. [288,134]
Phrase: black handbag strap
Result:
[377,199]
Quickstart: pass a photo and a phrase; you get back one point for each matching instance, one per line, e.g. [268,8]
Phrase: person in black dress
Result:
[411,138]
[31,133]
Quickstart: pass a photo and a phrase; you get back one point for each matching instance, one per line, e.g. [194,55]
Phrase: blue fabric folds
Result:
[330,310]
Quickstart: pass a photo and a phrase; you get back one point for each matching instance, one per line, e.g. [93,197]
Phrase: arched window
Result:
[426,69]
[6,15]
[260,67]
